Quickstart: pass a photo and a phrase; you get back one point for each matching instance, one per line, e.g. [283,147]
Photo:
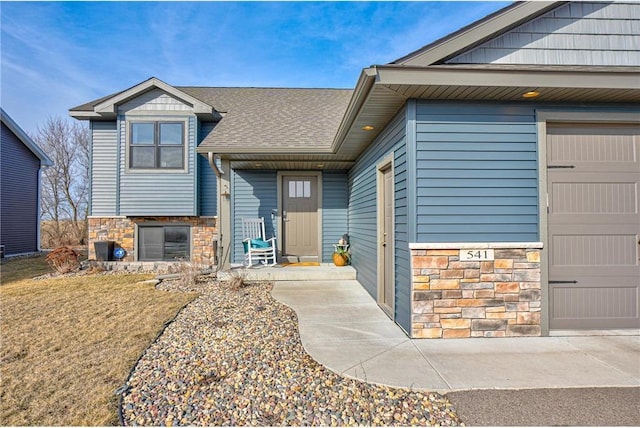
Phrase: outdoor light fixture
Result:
[531,94]
[320,165]
[368,128]
[258,165]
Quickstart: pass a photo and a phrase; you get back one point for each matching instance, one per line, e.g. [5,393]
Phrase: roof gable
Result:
[476,33]
[579,33]
[25,139]
[107,107]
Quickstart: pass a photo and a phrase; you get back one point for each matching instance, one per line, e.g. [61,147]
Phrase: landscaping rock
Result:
[234,357]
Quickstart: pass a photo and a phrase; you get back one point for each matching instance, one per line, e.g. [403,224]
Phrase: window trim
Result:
[157,121]
[138,245]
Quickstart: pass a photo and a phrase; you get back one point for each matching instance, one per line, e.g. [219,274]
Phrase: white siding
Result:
[580,33]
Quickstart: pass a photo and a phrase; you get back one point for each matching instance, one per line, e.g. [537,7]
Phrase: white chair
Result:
[257,249]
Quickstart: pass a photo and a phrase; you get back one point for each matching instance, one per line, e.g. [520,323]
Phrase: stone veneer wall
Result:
[496,298]
[122,231]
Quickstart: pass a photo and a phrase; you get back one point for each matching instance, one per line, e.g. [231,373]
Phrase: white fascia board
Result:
[109,106]
[394,75]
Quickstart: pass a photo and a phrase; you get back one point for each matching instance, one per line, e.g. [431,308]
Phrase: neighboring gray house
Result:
[489,181]
[21,161]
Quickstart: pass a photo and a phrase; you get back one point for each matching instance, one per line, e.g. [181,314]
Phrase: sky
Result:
[57,55]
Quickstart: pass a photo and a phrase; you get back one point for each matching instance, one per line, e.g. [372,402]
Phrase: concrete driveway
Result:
[342,327]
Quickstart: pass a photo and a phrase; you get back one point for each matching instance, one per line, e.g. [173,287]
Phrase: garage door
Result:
[593,176]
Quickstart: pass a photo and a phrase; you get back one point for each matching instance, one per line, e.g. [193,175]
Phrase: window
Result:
[300,189]
[156,145]
[163,243]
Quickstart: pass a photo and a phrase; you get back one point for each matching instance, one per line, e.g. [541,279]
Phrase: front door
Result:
[300,218]
[594,226]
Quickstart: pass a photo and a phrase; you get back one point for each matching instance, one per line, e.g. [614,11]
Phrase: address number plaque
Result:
[475,254]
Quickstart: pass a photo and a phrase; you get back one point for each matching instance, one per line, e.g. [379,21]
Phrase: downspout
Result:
[211,157]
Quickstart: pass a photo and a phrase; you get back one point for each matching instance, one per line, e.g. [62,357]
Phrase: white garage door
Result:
[593,181]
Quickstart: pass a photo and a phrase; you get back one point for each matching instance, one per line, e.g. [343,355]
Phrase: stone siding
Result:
[494,298]
[121,230]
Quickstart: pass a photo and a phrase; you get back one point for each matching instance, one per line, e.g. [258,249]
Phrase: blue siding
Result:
[401,234]
[363,213]
[104,166]
[19,195]
[254,194]
[158,193]
[207,180]
[477,173]
[335,201]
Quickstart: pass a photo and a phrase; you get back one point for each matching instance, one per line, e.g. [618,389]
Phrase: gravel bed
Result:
[234,357]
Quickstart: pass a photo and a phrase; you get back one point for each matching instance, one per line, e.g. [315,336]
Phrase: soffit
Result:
[391,86]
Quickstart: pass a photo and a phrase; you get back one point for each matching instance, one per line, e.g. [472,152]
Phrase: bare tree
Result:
[65,185]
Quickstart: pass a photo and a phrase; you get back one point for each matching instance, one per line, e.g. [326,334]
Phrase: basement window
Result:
[163,243]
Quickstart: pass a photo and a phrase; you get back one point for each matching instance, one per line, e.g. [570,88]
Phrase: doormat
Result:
[285,264]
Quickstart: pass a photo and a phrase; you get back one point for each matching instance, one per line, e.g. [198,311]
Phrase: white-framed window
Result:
[156,144]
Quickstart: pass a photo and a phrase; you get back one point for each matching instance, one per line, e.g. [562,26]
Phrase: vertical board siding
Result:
[363,229]
[159,193]
[477,173]
[578,33]
[19,195]
[104,164]
[335,201]
[207,180]
[254,194]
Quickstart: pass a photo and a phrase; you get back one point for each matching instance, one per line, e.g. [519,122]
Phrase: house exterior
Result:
[21,161]
[489,182]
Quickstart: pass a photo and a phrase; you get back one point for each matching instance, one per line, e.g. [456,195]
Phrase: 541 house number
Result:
[473,254]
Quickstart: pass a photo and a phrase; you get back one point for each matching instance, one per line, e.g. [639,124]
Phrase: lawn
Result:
[68,343]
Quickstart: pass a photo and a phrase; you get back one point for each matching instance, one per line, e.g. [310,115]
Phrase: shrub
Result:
[237,280]
[63,259]
[189,273]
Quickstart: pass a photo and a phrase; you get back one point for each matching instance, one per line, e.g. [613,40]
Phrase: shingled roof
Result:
[275,120]
[272,119]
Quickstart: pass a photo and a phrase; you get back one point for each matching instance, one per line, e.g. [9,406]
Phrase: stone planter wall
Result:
[453,298]
[121,230]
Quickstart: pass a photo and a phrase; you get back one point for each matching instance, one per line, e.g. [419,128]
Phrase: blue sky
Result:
[56,55]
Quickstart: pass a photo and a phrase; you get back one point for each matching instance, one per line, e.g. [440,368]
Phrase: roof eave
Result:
[362,90]
[396,79]
[552,78]
[108,108]
[90,115]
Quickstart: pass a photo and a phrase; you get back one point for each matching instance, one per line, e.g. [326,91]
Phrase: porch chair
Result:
[257,249]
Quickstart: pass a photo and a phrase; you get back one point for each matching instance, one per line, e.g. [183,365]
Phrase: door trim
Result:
[386,162]
[280,195]
[542,118]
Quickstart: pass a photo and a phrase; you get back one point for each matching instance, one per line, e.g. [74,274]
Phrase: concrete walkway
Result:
[342,327]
